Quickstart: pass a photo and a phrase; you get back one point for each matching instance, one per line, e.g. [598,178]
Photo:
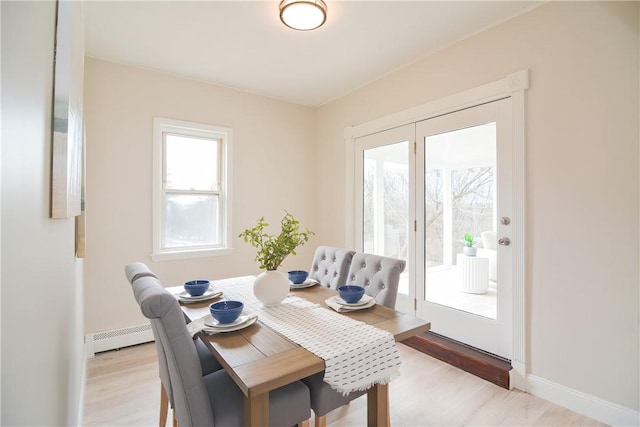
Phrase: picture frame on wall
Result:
[68,133]
[81,219]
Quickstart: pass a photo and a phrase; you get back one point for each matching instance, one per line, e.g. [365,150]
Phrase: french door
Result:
[464,188]
[419,189]
[385,171]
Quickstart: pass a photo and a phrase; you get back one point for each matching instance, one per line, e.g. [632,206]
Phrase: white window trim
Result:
[161,125]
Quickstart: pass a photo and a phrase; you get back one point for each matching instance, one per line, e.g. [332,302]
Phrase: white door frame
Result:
[513,85]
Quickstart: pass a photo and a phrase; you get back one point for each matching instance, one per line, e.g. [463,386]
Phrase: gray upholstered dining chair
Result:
[213,399]
[380,277]
[330,265]
[208,362]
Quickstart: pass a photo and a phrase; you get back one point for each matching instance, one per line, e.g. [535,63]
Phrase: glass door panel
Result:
[386,200]
[459,201]
[384,180]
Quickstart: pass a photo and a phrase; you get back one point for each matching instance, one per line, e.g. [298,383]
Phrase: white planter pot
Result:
[271,287]
[469,250]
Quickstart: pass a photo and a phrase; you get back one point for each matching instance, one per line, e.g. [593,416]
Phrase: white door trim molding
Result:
[513,85]
[517,84]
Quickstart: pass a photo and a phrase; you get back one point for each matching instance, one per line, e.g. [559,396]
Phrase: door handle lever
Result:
[505,241]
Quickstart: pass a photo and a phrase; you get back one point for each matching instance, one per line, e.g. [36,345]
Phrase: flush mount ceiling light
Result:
[303,15]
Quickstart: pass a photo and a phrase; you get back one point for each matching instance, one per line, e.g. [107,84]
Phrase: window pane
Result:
[369,180]
[434,223]
[472,201]
[386,200]
[191,163]
[459,199]
[191,220]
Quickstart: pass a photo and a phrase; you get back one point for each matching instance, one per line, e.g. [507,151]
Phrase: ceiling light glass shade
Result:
[303,15]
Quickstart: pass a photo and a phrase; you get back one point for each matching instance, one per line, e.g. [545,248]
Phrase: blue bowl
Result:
[351,293]
[298,276]
[226,311]
[195,288]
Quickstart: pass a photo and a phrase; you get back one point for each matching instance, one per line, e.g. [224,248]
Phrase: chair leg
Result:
[320,421]
[164,407]
[304,423]
[175,422]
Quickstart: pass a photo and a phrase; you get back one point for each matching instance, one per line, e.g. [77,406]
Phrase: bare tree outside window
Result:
[396,212]
[472,198]
[386,201]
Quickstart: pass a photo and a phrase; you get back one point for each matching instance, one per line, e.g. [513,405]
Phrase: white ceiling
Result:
[243,45]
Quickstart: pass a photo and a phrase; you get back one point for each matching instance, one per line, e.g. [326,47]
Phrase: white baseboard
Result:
[96,342]
[518,376]
[583,403]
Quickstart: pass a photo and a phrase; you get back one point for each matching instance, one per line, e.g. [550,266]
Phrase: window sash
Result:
[220,228]
[204,224]
[219,142]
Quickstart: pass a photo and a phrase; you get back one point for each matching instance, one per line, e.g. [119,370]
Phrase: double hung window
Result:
[191,208]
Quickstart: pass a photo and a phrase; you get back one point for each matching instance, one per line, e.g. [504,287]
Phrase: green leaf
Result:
[272,249]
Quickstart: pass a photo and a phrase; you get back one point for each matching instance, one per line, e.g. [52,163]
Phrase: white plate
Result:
[306,284]
[214,330]
[209,294]
[210,321]
[364,300]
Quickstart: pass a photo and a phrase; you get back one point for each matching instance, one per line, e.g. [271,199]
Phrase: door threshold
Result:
[487,366]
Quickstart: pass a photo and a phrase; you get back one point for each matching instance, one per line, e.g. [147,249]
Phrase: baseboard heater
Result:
[117,338]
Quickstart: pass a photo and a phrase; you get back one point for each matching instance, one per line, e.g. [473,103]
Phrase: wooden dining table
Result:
[259,359]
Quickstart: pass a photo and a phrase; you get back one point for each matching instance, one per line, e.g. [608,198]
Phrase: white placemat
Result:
[356,355]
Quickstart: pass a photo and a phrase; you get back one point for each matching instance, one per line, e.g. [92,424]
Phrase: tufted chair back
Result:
[176,350]
[135,271]
[330,266]
[379,275]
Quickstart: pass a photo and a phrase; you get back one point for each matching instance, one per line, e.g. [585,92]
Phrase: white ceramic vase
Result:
[271,287]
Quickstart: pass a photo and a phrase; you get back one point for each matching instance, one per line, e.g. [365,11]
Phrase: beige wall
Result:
[42,341]
[272,170]
[582,177]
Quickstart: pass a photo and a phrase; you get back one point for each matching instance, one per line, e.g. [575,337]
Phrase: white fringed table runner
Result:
[356,355]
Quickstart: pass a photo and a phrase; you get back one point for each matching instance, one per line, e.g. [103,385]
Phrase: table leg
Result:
[378,406]
[256,410]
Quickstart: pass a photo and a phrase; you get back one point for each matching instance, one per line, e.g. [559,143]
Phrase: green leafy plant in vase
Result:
[272,285]
[469,248]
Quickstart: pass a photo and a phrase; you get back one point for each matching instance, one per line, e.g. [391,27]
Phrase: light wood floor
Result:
[123,389]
